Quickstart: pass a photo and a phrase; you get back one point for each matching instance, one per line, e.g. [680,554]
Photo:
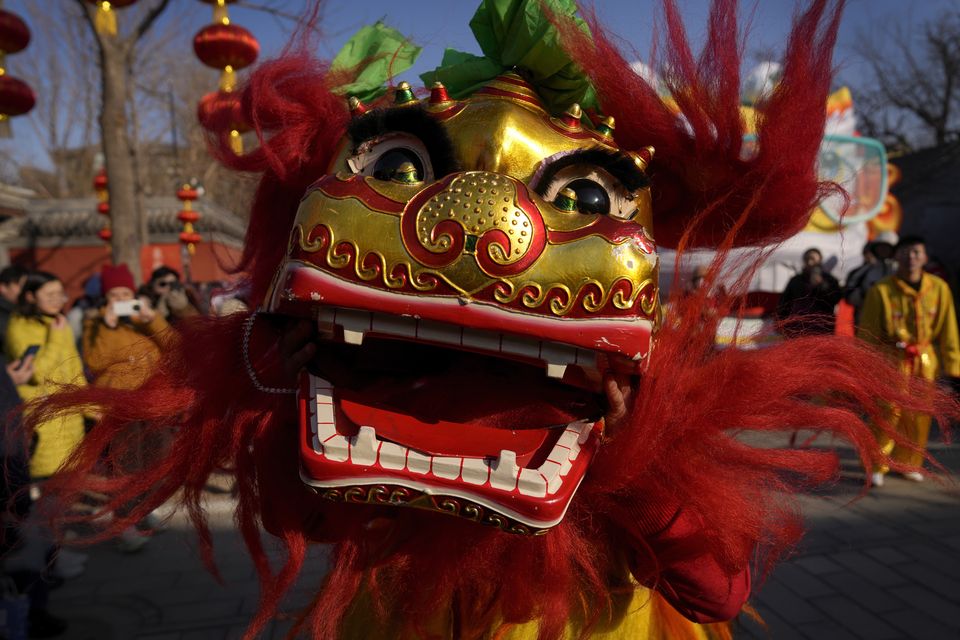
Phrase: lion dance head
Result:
[496,429]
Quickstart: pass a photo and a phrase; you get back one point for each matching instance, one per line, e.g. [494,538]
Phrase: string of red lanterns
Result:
[230,48]
[189,237]
[101,185]
[16,96]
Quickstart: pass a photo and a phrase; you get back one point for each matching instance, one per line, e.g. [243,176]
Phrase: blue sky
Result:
[435,25]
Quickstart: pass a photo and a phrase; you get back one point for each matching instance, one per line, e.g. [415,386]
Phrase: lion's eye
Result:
[387,165]
[591,196]
[391,157]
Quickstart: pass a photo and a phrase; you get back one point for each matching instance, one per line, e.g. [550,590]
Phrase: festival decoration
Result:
[16,96]
[220,112]
[459,374]
[188,216]
[105,21]
[101,186]
[230,48]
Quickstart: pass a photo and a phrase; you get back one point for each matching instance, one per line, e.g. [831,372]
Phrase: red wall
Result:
[73,265]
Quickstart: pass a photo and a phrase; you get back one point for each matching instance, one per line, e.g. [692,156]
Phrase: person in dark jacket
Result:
[806,305]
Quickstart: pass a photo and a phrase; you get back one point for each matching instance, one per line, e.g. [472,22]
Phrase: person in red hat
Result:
[121,348]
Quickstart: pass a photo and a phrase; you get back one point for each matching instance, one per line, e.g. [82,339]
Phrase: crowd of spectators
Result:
[111,336]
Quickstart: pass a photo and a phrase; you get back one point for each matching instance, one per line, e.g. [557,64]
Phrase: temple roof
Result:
[75,221]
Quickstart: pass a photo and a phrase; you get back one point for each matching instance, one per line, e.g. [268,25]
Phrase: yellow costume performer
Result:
[919,328]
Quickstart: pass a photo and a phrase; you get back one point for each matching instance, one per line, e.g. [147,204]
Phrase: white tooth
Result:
[558,353]
[504,471]
[363,447]
[585,428]
[532,483]
[353,337]
[483,340]
[520,346]
[337,448]
[446,467]
[392,456]
[556,370]
[417,462]
[475,471]
[323,418]
[561,456]
[439,332]
[551,471]
[354,324]
[569,440]
[549,468]
[394,325]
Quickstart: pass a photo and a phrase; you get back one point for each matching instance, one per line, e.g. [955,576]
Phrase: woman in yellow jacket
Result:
[41,325]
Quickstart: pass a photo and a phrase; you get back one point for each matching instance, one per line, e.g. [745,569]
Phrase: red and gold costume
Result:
[494,430]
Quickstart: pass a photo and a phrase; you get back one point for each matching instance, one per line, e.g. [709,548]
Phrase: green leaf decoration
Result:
[374,55]
[518,33]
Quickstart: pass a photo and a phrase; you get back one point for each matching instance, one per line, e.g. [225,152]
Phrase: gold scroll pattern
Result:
[596,296]
[340,253]
[382,494]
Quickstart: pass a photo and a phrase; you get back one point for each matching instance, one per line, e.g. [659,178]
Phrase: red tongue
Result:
[446,438]
[467,413]
[508,399]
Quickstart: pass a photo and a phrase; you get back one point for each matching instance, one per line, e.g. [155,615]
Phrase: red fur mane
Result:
[681,445]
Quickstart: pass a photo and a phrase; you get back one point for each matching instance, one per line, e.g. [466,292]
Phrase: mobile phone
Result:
[30,351]
[124,308]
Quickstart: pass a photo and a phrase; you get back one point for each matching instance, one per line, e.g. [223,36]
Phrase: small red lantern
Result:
[14,33]
[16,97]
[101,184]
[100,181]
[220,112]
[226,45]
[187,194]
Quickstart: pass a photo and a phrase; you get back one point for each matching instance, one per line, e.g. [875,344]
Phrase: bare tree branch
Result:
[144,26]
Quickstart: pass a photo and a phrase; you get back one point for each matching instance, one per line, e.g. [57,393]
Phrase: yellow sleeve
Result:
[873,323]
[948,341]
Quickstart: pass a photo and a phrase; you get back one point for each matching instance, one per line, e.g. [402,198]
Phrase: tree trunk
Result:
[118,155]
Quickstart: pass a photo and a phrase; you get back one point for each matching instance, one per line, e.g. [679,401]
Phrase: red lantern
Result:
[14,33]
[105,234]
[103,208]
[16,97]
[100,180]
[188,217]
[187,193]
[190,238]
[226,45]
[221,111]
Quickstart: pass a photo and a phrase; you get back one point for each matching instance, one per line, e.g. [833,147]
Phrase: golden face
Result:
[469,263]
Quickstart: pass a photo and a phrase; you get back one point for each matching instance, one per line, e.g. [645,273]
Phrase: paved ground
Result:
[884,567]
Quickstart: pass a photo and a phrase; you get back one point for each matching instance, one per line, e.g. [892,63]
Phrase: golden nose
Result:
[484,214]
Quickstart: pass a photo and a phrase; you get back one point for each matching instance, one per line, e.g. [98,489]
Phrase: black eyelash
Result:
[413,120]
[617,164]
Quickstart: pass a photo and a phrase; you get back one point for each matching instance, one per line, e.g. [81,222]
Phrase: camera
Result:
[125,308]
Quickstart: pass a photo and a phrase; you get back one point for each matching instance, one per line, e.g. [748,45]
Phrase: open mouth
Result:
[486,425]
